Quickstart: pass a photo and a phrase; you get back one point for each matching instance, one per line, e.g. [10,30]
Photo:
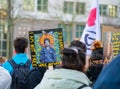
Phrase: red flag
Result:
[92,30]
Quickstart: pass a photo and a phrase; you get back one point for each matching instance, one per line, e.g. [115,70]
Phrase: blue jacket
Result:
[110,76]
[18,58]
[47,55]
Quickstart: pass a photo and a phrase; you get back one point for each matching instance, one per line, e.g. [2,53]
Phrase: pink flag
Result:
[92,30]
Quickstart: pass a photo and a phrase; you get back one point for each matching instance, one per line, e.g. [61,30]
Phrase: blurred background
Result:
[18,17]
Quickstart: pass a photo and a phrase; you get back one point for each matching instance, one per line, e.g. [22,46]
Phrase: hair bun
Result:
[68,51]
[96,45]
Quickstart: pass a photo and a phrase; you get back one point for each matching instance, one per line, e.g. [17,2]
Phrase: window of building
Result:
[80,8]
[67,33]
[3,41]
[3,4]
[3,14]
[112,11]
[79,30]
[42,5]
[68,7]
[103,10]
[28,5]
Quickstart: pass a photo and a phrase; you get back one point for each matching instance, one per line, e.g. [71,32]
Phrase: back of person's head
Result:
[97,51]
[2,59]
[78,43]
[73,58]
[96,61]
[20,44]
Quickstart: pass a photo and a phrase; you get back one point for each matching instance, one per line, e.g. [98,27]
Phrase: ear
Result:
[84,69]
[14,51]
[25,50]
[60,63]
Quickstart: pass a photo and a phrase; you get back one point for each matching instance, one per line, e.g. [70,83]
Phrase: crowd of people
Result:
[70,74]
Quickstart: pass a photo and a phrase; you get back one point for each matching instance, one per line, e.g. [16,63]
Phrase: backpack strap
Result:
[84,85]
[28,63]
[13,64]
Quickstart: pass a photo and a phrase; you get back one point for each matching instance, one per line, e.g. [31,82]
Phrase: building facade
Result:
[71,15]
[3,29]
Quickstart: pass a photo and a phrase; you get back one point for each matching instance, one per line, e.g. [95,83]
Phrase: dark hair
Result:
[97,54]
[97,51]
[73,58]
[20,44]
[78,43]
[94,71]
[46,39]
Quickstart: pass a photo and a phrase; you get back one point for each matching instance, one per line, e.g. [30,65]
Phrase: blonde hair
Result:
[2,59]
[96,45]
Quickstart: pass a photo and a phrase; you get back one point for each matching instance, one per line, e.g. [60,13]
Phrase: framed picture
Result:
[115,39]
[111,44]
[45,46]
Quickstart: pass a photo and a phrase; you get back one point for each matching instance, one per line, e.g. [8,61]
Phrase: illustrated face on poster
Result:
[45,46]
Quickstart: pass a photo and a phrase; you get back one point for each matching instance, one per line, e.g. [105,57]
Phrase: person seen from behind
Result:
[19,60]
[2,60]
[83,47]
[70,74]
[35,76]
[109,77]
[20,45]
[5,79]
[96,61]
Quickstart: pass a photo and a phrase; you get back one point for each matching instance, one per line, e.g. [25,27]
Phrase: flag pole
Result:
[92,30]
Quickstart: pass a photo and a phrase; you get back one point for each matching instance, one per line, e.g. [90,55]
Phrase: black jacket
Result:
[35,76]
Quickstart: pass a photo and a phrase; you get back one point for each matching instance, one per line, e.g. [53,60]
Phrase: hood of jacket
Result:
[63,79]
[109,78]
[18,58]
[5,79]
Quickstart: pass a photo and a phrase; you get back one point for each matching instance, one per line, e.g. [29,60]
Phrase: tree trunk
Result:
[10,27]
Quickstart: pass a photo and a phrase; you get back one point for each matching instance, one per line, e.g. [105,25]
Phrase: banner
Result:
[92,30]
[45,46]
